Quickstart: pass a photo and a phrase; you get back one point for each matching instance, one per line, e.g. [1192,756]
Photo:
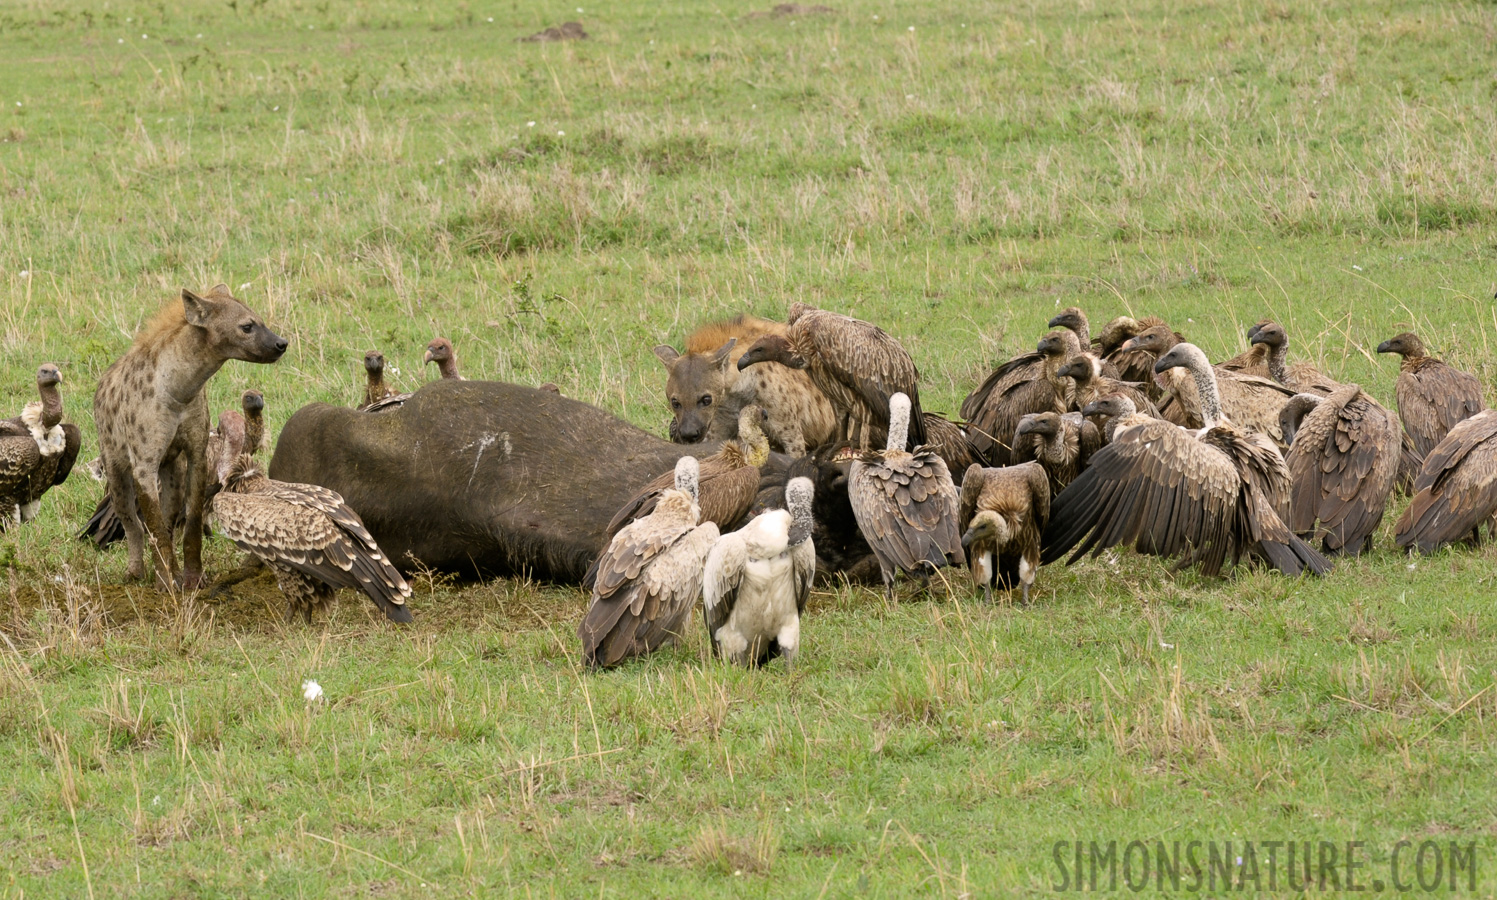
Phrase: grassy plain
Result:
[371,174]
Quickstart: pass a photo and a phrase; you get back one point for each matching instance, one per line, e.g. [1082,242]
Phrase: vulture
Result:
[951,443]
[1119,412]
[1456,489]
[104,527]
[441,352]
[857,365]
[1432,395]
[649,577]
[1074,319]
[1342,462]
[1003,514]
[1302,377]
[1133,364]
[1205,497]
[1409,464]
[37,451]
[1061,444]
[550,387]
[1253,360]
[757,580]
[1026,384]
[1249,402]
[1085,371]
[304,533]
[727,482]
[905,503]
[378,395]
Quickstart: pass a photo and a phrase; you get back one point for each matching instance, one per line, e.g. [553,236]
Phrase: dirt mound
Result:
[780,10]
[567,31]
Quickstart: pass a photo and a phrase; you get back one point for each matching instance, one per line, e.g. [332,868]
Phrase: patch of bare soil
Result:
[567,31]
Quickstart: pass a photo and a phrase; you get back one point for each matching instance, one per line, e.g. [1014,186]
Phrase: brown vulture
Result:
[1133,364]
[1086,372]
[1073,319]
[377,394]
[757,580]
[1432,395]
[441,352]
[649,577]
[304,533]
[1302,377]
[1003,514]
[952,443]
[1061,444]
[857,365]
[1119,412]
[37,450]
[1250,402]
[905,503]
[1206,498]
[1342,461]
[1456,489]
[1029,383]
[1253,360]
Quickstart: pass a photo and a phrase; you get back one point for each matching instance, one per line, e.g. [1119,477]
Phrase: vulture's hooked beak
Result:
[1385,347]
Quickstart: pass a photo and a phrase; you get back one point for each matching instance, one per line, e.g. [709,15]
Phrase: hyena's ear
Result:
[197,308]
[666,354]
[220,291]
[722,356]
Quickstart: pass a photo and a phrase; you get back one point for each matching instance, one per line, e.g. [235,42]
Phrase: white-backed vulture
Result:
[1206,498]
[649,577]
[757,581]
[1075,320]
[905,503]
[1061,444]
[1432,395]
[1342,461]
[727,482]
[1003,514]
[1250,402]
[1456,489]
[1119,412]
[1253,360]
[304,533]
[1085,371]
[1303,377]
[856,364]
[37,450]
[1026,384]
[377,394]
[1133,364]
[441,352]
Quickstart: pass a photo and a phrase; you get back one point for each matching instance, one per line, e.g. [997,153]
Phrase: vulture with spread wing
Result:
[1456,489]
[1207,498]
[649,577]
[857,365]
[757,581]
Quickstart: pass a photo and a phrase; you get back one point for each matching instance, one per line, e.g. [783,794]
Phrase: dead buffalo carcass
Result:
[479,477]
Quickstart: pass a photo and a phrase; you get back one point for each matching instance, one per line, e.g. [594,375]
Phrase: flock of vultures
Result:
[1130,438]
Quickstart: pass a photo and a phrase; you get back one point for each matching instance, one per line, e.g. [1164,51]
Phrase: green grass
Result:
[369,175]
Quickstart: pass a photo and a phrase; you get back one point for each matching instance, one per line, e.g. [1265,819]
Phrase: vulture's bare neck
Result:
[51,405]
[1206,389]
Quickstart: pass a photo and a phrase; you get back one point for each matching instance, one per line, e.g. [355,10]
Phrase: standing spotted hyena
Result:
[706,390]
[152,418]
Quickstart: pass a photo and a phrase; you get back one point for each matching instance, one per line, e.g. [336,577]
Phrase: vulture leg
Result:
[888,585]
[789,641]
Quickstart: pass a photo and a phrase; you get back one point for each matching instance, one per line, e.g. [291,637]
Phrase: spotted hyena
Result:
[152,418]
[706,390]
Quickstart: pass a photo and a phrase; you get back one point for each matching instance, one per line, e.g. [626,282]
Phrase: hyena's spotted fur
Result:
[152,418]
[706,390]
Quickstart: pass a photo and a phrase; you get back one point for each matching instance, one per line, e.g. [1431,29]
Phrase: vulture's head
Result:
[1081,368]
[374,363]
[986,526]
[48,375]
[1293,413]
[1111,406]
[439,351]
[751,422]
[899,421]
[1406,345]
[550,388]
[799,493]
[1047,424]
[1153,341]
[771,348]
[231,436]
[252,402]
[1269,333]
[797,310]
[688,471]
[1183,356]
[1060,343]
[1071,317]
[1256,327]
[1118,330]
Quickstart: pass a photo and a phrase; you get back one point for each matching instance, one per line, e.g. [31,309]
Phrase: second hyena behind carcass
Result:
[706,390]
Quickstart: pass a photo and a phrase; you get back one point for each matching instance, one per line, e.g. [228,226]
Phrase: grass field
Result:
[370,175]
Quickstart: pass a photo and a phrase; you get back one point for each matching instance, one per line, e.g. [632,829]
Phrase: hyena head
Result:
[233,330]
[697,385]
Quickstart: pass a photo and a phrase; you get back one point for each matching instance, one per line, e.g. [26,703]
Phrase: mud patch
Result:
[567,31]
